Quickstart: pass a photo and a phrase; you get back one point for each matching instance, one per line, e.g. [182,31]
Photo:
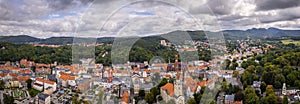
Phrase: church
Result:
[174,91]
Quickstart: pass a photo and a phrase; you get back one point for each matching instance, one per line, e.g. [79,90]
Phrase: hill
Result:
[19,39]
[254,33]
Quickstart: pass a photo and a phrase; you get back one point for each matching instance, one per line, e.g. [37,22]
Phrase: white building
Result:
[40,83]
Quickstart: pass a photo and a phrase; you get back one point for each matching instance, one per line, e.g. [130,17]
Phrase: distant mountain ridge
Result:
[254,33]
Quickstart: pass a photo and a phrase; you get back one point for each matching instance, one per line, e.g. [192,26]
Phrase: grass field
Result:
[291,41]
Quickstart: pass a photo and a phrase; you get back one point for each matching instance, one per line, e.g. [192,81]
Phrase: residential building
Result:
[229,99]
[43,98]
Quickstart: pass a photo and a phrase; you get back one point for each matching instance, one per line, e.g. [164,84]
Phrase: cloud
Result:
[98,18]
[288,14]
[276,4]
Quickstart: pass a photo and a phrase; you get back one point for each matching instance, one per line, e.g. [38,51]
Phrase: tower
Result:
[284,89]
[176,63]
[178,87]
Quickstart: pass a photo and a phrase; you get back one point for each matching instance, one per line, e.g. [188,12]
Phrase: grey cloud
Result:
[231,17]
[218,7]
[282,15]
[34,9]
[276,4]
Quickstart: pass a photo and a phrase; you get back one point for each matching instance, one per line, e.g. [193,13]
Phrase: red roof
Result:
[125,97]
[13,74]
[3,75]
[45,81]
[23,78]
[169,88]
[64,77]
[71,77]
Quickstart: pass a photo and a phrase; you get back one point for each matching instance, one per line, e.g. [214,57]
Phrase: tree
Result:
[271,99]
[162,82]
[239,96]
[213,102]
[2,83]
[235,74]
[236,89]
[285,100]
[150,98]
[297,83]
[155,91]
[192,101]
[8,99]
[291,78]
[29,81]
[250,96]
[172,101]
[268,78]
[142,93]
[263,87]
[269,90]
[277,85]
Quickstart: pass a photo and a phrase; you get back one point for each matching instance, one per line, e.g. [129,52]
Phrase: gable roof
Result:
[125,97]
[169,88]
[45,81]
[23,78]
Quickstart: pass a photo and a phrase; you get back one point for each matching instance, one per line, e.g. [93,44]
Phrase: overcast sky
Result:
[99,18]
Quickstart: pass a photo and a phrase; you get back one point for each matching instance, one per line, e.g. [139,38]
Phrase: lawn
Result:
[291,41]
[33,92]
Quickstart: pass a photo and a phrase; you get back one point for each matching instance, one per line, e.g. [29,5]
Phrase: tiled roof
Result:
[45,81]
[71,77]
[192,83]
[25,71]
[13,74]
[125,97]
[202,83]
[64,77]
[169,88]
[23,78]
[3,75]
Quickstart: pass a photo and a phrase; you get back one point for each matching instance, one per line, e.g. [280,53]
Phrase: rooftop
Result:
[169,87]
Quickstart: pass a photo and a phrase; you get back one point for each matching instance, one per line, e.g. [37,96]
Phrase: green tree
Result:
[271,99]
[239,96]
[192,101]
[2,84]
[172,101]
[269,90]
[162,82]
[263,87]
[285,100]
[291,78]
[155,91]
[142,93]
[150,98]
[250,96]
[8,99]
[29,81]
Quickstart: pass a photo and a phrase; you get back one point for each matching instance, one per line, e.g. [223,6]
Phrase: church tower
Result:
[284,89]
[178,86]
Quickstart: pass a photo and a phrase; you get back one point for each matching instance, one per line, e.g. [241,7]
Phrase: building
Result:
[284,89]
[41,84]
[83,85]
[163,42]
[43,99]
[256,85]
[229,99]
[48,90]
[172,92]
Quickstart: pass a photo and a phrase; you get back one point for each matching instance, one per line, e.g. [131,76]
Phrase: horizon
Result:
[140,36]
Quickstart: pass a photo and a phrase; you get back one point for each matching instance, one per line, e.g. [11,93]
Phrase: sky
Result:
[102,18]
